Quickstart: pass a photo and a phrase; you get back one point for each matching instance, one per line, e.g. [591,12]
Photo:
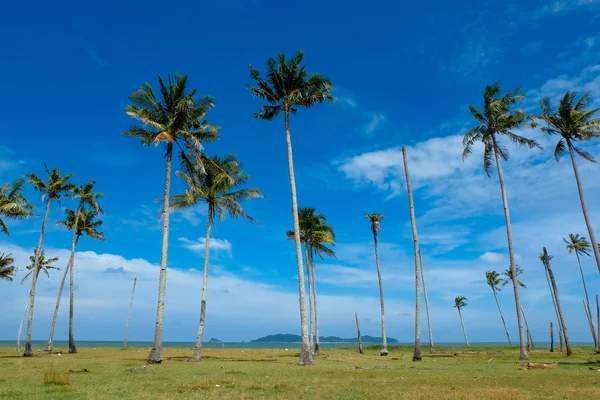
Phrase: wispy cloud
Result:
[198,246]
[90,51]
[561,7]
[372,120]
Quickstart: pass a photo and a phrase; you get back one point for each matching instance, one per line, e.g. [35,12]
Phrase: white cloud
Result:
[491,257]
[375,121]
[198,246]
[192,215]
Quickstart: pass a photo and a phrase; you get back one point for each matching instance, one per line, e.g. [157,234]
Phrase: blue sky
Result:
[403,75]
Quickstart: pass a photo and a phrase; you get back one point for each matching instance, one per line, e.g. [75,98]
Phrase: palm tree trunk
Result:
[72,348]
[198,347]
[598,324]
[551,338]
[511,255]
[502,317]
[310,298]
[587,299]
[560,328]
[156,352]
[561,340]
[529,338]
[306,357]
[360,347]
[21,326]
[431,348]
[463,326]
[129,315]
[36,269]
[560,312]
[413,224]
[314,285]
[590,321]
[384,350]
[584,207]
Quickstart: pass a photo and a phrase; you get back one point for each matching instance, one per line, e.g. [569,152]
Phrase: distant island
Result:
[214,340]
[289,338]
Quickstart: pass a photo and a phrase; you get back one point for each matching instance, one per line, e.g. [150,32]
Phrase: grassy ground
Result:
[264,373]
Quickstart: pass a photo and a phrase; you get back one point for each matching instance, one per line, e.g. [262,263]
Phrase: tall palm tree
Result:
[54,188]
[218,184]
[86,224]
[494,281]
[413,224]
[459,303]
[500,119]
[580,246]
[13,204]
[176,119]
[375,220]
[286,88]
[7,269]
[574,122]
[44,266]
[431,348]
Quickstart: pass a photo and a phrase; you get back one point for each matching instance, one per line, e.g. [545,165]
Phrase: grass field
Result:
[451,373]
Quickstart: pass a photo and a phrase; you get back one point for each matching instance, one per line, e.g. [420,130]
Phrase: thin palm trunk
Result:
[306,357]
[561,341]
[21,326]
[198,347]
[554,304]
[584,207]
[431,348]
[413,224]
[501,316]
[156,352]
[529,338]
[129,315]
[551,338]
[560,312]
[598,324]
[310,298]
[511,255]
[384,350]
[590,321]
[587,299]
[463,327]
[72,348]
[35,272]
[360,347]
[314,285]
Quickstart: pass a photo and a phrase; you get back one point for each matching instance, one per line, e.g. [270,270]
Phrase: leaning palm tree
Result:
[54,188]
[7,269]
[219,185]
[494,281]
[86,224]
[375,220]
[580,246]
[45,267]
[176,119]
[460,302]
[508,274]
[13,204]
[574,122]
[286,88]
[498,119]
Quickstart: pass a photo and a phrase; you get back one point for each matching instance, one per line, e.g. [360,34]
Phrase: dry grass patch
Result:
[54,376]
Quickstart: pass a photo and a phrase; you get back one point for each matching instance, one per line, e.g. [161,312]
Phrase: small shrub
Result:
[55,377]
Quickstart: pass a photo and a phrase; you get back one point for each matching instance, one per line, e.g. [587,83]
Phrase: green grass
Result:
[450,373]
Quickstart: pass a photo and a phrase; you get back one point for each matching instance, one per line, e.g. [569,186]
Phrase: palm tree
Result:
[86,224]
[7,269]
[431,348]
[460,302]
[375,220]
[44,266]
[545,258]
[508,274]
[53,189]
[288,87]
[218,184]
[494,281]
[413,224]
[129,315]
[498,118]
[574,122]
[176,119]
[13,204]
[580,246]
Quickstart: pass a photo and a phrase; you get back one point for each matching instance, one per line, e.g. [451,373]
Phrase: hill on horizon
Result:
[291,338]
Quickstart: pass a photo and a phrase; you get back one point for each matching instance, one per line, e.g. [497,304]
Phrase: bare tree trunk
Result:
[551,338]
[561,340]
[588,309]
[511,255]
[156,356]
[463,326]
[590,319]
[560,312]
[129,315]
[360,347]
[21,326]
[314,285]
[198,348]
[502,317]
[384,350]
[431,348]
[598,324]
[306,357]
[310,298]
[560,327]
[584,207]
[529,338]
[34,275]
[413,224]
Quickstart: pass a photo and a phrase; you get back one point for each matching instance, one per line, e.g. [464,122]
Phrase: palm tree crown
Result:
[494,280]
[577,244]
[13,204]
[44,265]
[315,232]
[86,224]
[55,187]
[460,302]
[7,269]
[375,220]
[288,86]
[509,277]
